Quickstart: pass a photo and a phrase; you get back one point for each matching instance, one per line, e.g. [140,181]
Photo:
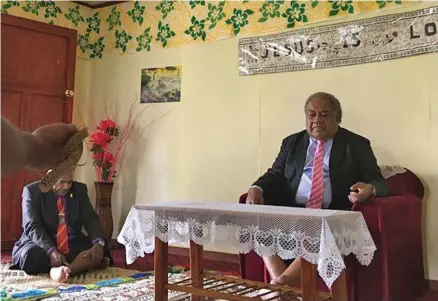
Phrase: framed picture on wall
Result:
[161,85]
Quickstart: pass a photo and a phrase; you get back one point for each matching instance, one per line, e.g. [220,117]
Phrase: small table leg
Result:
[160,270]
[308,281]
[196,266]
[339,288]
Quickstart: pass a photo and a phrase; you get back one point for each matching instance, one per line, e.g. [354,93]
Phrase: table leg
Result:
[160,270]
[339,288]
[196,266]
[308,281]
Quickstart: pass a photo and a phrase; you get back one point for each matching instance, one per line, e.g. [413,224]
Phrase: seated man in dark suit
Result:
[323,167]
[52,239]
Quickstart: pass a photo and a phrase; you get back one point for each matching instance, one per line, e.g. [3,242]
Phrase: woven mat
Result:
[111,284]
[19,280]
[138,287]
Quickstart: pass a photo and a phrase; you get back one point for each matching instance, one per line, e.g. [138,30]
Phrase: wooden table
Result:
[330,235]
[198,279]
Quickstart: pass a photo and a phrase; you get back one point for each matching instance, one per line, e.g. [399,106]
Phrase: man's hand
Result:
[255,196]
[360,192]
[96,255]
[57,259]
[49,140]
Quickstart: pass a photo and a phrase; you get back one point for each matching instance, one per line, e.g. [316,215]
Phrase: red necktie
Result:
[62,233]
[317,192]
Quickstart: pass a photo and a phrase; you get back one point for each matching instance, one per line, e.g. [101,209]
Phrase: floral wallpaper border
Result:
[140,25]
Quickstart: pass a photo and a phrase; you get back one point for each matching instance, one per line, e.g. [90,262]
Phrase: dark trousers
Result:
[33,260]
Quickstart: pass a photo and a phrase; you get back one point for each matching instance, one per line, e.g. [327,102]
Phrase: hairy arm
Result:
[38,151]
[15,147]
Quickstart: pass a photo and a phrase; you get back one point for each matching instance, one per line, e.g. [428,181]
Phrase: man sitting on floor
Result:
[324,166]
[52,239]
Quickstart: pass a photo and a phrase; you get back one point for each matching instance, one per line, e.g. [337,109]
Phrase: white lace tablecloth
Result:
[319,236]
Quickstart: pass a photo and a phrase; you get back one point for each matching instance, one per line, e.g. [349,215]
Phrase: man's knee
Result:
[34,260]
[82,262]
[85,256]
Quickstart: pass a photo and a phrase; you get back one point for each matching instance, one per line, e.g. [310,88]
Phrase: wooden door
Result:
[37,68]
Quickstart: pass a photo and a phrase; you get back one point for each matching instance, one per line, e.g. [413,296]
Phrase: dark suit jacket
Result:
[40,215]
[351,160]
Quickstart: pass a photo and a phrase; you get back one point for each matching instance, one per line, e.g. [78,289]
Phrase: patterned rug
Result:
[113,284]
[110,284]
[17,279]
[138,287]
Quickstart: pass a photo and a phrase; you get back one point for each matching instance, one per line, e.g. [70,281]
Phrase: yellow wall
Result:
[227,129]
[98,29]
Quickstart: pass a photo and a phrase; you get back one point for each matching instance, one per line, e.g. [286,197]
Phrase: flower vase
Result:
[103,208]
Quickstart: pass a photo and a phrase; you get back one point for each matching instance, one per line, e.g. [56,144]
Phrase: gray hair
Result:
[334,103]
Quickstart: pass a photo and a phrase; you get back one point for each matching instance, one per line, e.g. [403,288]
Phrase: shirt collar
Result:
[313,140]
[64,197]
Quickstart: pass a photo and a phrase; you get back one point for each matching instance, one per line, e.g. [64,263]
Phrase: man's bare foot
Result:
[60,274]
[285,280]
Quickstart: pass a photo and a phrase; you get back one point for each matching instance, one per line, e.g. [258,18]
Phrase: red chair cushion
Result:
[405,183]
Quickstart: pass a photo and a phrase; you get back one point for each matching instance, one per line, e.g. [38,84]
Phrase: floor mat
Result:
[17,279]
[110,284]
[137,287]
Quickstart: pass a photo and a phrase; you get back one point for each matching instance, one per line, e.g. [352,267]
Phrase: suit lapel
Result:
[336,157]
[70,207]
[337,151]
[51,201]
[301,153]
[300,159]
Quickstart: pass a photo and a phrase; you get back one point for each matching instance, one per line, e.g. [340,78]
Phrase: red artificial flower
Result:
[104,157]
[100,138]
[108,157]
[97,156]
[104,125]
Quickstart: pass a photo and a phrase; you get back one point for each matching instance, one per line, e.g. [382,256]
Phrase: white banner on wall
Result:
[365,41]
